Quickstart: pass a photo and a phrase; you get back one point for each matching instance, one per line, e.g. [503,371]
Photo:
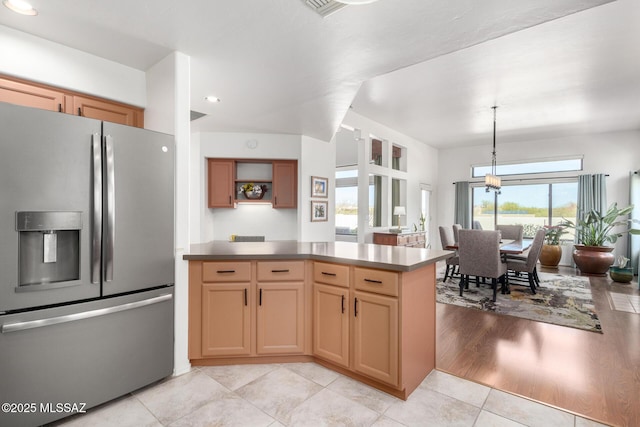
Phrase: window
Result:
[376,190]
[346,217]
[532,205]
[376,152]
[398,158]
[523,168]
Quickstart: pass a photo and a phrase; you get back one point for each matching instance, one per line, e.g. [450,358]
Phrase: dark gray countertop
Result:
[397,258]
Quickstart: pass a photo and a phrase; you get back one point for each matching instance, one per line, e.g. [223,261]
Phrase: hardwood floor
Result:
[591,374]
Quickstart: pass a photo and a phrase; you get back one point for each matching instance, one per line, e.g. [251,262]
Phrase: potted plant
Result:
[551,250]
[621,273]
[591,254]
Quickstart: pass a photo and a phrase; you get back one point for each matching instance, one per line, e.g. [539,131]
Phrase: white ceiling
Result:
[280,67]
[577,74]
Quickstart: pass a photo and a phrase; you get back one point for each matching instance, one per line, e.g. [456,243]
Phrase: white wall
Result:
[318,158]
[168,84]
[219,224]
[615,154]
[33,58]
[422,168]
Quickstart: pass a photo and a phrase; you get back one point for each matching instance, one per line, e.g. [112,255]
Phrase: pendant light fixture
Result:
[491,180]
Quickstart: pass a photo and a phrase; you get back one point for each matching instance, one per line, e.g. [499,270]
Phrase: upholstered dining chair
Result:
[479,252]
[456,228]
[446,239]
[511,232]
[528,265]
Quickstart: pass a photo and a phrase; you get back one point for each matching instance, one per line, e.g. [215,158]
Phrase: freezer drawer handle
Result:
[31,324]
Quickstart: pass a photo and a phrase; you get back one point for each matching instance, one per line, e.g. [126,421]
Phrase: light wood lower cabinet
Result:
[377,326]
[280,318]
[375,336]
[386,334]
[226,319]
[348,321]
[247,308]
[331,323]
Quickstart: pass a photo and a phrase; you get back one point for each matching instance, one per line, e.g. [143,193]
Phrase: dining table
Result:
[507,247]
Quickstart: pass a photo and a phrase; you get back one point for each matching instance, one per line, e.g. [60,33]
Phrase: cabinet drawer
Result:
[226,271]
[378,281]
[332,274]
[271,271]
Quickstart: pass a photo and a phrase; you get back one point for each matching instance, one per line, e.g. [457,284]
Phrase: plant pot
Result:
[593,259]
[550,255]
[622,275]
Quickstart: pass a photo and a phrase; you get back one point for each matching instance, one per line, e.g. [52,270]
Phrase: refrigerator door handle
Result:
[96,237]
[31,324]
[110,230]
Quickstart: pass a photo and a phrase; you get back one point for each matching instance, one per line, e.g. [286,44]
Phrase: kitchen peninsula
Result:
[367,311]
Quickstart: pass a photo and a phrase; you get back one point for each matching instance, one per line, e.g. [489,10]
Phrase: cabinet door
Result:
[285,183]
[221,183]
[226,319]
[375,341]
[331,323]
[280,318]
[107,111]
[31,96]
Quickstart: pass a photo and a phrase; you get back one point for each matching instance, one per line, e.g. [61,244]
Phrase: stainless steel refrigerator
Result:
[86,262]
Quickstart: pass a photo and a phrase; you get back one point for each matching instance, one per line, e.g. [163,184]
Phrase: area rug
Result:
[560,300]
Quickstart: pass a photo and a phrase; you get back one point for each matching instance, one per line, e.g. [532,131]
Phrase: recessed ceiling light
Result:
[20,6]
[212,98]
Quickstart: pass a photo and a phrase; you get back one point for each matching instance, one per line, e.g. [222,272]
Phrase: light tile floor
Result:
[307,394]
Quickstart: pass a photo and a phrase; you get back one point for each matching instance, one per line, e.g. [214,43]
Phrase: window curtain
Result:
[592,194]
[462,214]
[634,199]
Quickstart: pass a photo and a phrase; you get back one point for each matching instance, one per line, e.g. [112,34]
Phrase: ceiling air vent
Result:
[196,115]
[324,7]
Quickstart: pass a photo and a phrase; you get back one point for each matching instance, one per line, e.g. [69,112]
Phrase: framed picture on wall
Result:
[319,211]
[319,187]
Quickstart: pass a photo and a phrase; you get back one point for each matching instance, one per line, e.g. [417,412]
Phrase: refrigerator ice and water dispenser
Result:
[49,248]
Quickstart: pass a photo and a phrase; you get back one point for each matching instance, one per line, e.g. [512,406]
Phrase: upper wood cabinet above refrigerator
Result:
[36,95]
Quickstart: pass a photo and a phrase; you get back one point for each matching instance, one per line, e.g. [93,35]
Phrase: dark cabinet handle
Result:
[229,199]
[355,307]
[373,281]
[245,297]
[59,108]
[225,271]
[280,271]
[260,296]
[324,273]
[342,304]
[79,111]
